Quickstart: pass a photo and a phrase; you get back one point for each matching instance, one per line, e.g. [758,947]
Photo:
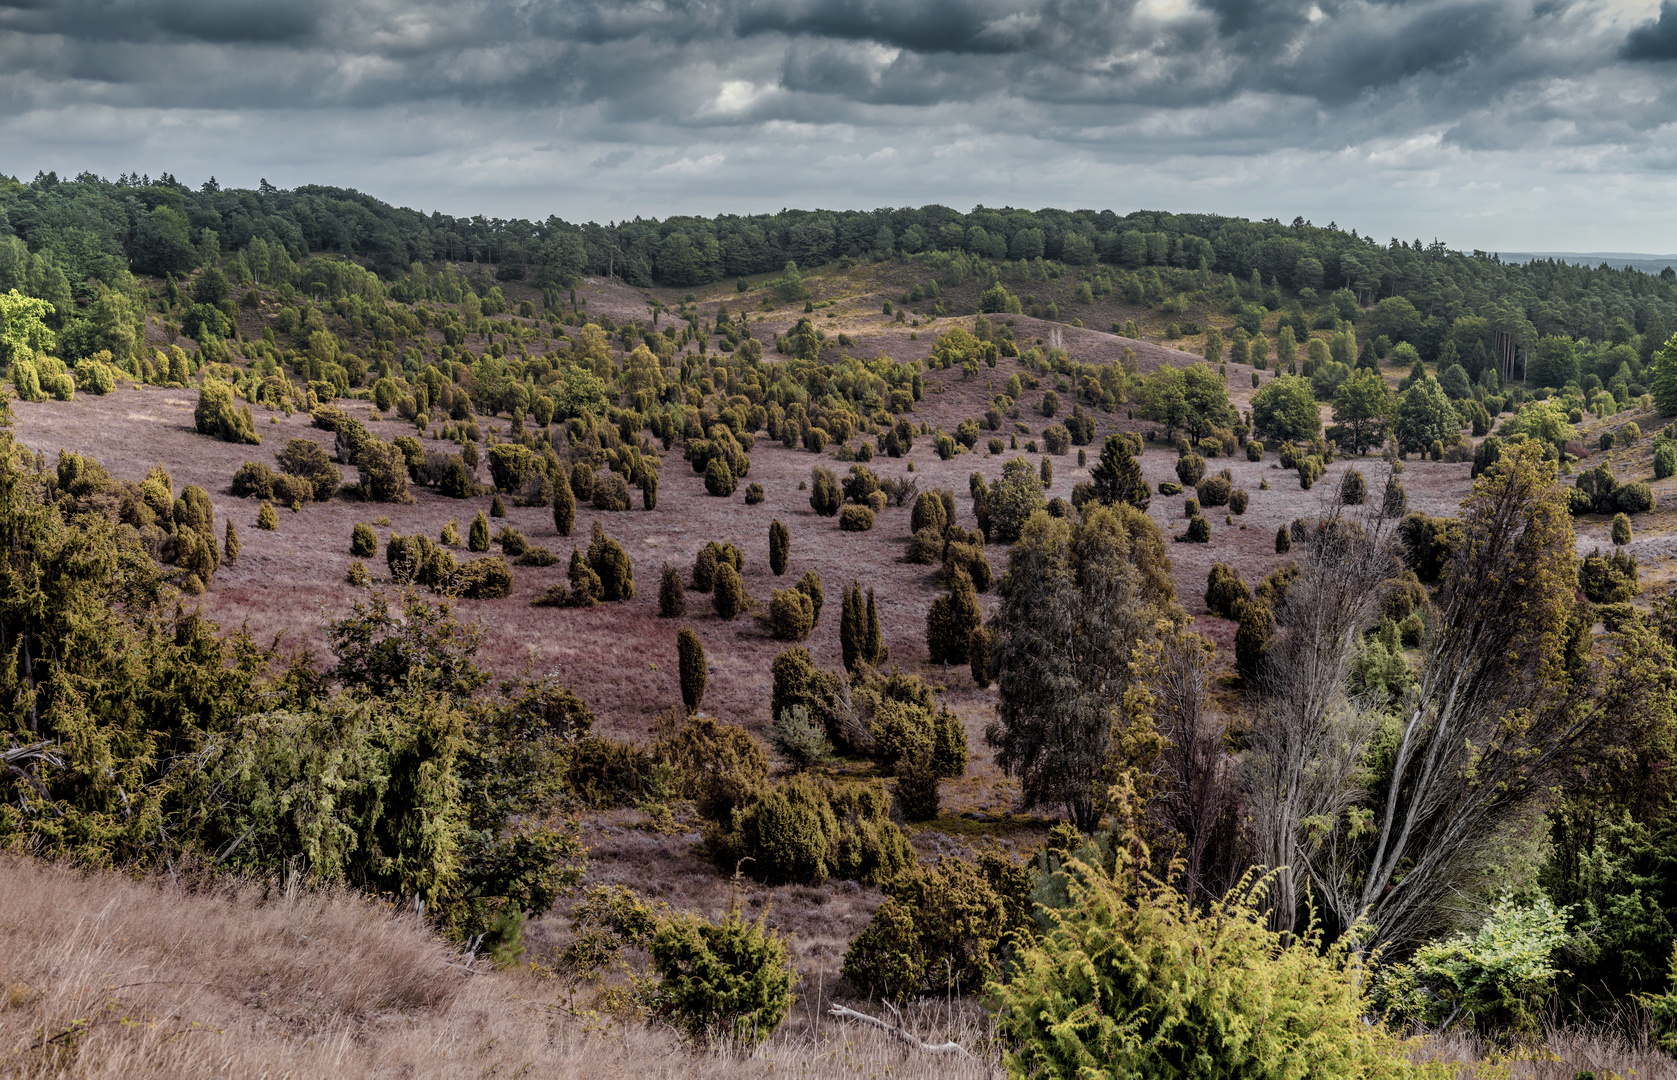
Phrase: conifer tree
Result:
[780,547]
[231,548]
[497,508]
[1117,475]
[952,619]
[691,653]
[478,538]
[672,597]
[874,651]
[564,506]
[853,630]
[649,489]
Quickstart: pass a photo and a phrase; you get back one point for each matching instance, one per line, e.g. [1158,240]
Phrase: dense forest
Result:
[90,229]
[1424,777]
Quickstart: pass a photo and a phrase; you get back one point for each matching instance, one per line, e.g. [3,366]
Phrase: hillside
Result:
[221,475]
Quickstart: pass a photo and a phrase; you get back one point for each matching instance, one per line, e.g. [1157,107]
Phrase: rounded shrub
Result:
[477,537]
[719,478]
[1665,460]
[1621,530]
[1215,491]
[1190,469]
[1224,591]
[1353,489]
[1190,507]
[754,494]
[1283,540]
[722,980]
[1254,450]
[1238,500]
[1635,497]
[266,519]
[363,541]
[791,615]
[855,518]
[1199,531]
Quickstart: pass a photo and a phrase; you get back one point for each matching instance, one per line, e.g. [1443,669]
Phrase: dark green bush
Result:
[1224,591]
[672,597]
[1190,469]
[728,595]
[363,542]
[780,547]
[1214,491]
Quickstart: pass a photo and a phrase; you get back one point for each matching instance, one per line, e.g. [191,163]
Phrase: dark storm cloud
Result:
[856,95]
[1656,40]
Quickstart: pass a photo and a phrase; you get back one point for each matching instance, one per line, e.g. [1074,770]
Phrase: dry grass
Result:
[103,976]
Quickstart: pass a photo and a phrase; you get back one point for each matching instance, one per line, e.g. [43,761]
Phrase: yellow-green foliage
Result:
[1131,979]
[217,416]
[807,830]
[722,979]
[1497,980]
[717,765]
[942,929]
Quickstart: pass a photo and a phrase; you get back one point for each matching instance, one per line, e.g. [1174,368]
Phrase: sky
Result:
[1520,125]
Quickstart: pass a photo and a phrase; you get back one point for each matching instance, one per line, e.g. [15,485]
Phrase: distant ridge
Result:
[1648,264]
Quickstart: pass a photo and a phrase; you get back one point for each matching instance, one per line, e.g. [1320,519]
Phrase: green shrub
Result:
[855,518]
[780,547]
[672,597]
[730,979]
[1283,540]
[728,595]
[1497,981]
[925,547]
[824,496]
[1056,438]
[690,653]
[477,537]
[754,494]
[1134,979]
[611,494]
[1215,491]
[719,478]
[1224,591]
[1199,531]
[929,512]
[716,765]
[487,578]
[1169,487]
[266,519]
[1254,450]
[1635,497]
[612,564]
[1353,489]
[363,541]
[604,773]
[1190,468]
[800,739]
[942,930]
[805,831]
[1239,499]
[513,543]
[790,615]
[1621,530]
[1665,460]
[951,619]
[1608,579]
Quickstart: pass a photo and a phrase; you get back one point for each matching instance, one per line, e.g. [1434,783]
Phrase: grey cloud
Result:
[1656,40]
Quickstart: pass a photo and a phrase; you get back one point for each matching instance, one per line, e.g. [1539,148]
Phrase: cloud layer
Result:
[1512,123]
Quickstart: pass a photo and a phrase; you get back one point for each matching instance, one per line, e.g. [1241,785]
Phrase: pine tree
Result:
[874,651]
[728,595]
[853,630]
[649,489]
[564,506]
[691,653]
[231,548]
[810,586]
[780,547]
[478,537]
[266,518]
[497,508]
[1117,475]
[1665,378]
